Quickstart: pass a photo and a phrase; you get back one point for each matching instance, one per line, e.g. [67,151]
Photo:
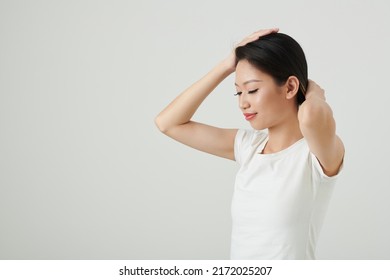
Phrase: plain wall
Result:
[84,172]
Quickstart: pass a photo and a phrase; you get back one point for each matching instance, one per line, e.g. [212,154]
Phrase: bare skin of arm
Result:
[319,129]
[176,119]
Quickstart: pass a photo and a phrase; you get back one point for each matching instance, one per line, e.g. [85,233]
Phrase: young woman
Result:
[289,161]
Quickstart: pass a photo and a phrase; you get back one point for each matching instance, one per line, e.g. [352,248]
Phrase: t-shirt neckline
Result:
[285,151]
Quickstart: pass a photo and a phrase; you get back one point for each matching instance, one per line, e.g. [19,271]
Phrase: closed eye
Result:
[249,92]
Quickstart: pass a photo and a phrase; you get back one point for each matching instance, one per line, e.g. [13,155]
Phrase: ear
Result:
[292,87]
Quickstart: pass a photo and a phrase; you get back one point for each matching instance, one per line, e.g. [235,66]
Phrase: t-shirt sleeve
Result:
[318,172]
[241,143]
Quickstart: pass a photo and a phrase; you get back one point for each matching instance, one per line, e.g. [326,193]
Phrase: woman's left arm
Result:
[319,129]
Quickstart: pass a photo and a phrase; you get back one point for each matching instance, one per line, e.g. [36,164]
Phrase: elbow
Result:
[160,124]
[163,124]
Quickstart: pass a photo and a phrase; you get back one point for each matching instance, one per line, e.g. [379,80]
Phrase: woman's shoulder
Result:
[251,136]
[248,141]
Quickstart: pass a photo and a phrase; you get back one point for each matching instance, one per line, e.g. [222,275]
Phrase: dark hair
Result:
[280,56]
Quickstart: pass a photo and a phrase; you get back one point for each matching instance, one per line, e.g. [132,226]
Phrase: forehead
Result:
[247,72]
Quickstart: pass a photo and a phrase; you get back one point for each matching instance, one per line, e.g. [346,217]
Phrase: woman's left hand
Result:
[313,89]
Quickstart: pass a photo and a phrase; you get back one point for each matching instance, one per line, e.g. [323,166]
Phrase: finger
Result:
[258,34]
[311,84]
[264,32]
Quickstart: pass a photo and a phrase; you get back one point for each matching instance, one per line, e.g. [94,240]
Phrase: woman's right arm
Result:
[175,120]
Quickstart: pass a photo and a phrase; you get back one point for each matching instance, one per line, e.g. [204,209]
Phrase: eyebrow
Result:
[250,81]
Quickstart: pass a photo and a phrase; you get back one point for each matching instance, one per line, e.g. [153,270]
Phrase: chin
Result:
[257,126]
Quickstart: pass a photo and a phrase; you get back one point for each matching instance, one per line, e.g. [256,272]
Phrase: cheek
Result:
[265,99]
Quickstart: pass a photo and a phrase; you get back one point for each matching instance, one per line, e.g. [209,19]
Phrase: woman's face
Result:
[262,101]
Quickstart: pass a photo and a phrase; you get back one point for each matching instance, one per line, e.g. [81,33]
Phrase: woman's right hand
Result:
[230,61]
[176,119]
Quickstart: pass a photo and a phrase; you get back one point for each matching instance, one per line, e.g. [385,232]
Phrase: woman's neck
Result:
[283,136]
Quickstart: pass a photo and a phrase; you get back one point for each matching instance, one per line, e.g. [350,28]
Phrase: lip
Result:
[249,116]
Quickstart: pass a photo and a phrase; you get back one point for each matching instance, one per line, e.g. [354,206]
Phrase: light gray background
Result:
[85,174]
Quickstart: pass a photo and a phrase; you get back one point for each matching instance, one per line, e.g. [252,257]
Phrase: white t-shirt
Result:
[279,201]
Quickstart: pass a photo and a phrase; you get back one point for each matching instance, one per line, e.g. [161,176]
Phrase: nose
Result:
[243,102]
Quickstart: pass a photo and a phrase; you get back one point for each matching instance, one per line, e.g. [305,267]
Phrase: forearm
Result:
[183,107]
[319,129]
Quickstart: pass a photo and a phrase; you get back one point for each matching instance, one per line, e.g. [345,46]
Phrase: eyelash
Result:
[249,92]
